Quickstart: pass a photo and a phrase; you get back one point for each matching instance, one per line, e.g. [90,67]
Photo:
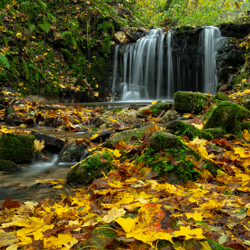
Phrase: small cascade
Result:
[210,36]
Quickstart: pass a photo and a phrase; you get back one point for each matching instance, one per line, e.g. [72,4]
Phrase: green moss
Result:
[8,166]
[221,96]
[216,246]
[155,109]
[189,101]
[128,136]
[245,125]
[90,168]
[215,133]
[16,148]
[227,116]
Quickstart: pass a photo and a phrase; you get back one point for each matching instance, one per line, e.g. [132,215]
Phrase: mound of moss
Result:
[16,148]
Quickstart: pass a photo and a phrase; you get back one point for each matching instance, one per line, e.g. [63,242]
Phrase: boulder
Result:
[89,169]
[52,143]
[72,153]
[14,120]
[222,97]
[154,109]
[54,122]
[168,116]
[16,148]
[102,137]
[169,156]
[228,116]
[9,166]
[127,136]
[186,102]
[127,116]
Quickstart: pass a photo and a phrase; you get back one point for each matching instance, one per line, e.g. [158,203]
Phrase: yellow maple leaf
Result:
[39,145]
[199,142]
[113,214]
[195,216]
[117,153]
[127,224]
[113,120]
[190,233]
[59,241]
[246,135]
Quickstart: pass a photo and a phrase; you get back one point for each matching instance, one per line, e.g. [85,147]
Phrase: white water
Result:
[211,36]
[151,70]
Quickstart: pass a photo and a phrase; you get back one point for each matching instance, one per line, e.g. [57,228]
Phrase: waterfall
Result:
[170,66]
[115,68]
[159,64]
[211,36]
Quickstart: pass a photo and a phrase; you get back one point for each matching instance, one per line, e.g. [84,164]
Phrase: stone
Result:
[121,37]
[14,120]
[16,148]
[102,137]
[72,152]
[168,116]
[127,136]
[90,168]
[228,116]
[155,109]
[9,166]
[186,102]
[52,143]
[127,116]
[54,122]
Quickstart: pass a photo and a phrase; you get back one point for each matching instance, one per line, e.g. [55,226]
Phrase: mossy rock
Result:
[174,164]
[71,152]
[155,109]
[222,97]
[245,125]
[216,246]
[228,116]
[189,102]
[216,133]
[16,148]
[127,136]
[9,166]
[89,169]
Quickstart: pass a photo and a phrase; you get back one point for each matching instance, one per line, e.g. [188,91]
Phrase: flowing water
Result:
[21,185]
[159,64]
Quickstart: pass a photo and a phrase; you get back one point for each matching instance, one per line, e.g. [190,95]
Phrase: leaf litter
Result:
[128,208]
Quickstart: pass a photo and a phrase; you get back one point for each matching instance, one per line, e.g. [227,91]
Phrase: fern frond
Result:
[66,33]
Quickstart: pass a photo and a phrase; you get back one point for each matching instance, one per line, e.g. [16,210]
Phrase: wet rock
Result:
[168,116]
[133,106]
[9,166]
[54,122]
[154,109]
[52,143]
[89,169]
[102,137]
[127,116]
[235,30]
[14,120]
[128,136]
[16,148]
[228,116]
[185,101]
[106,122]
[72,152]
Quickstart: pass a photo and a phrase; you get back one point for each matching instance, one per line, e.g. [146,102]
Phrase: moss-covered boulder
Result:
[128,136]
[228,116]
[9,166]
[72,152]
[127,116]
[189,102]
[170,157]
[154,109]
[90,168]
[168,116]
[222,97]
[16,148]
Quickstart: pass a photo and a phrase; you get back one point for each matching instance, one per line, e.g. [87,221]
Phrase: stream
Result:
[22,185]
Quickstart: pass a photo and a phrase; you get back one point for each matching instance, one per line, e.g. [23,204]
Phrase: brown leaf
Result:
[10,204]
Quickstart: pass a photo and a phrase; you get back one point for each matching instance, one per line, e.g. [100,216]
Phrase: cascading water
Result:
[158,65]
[211,36]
